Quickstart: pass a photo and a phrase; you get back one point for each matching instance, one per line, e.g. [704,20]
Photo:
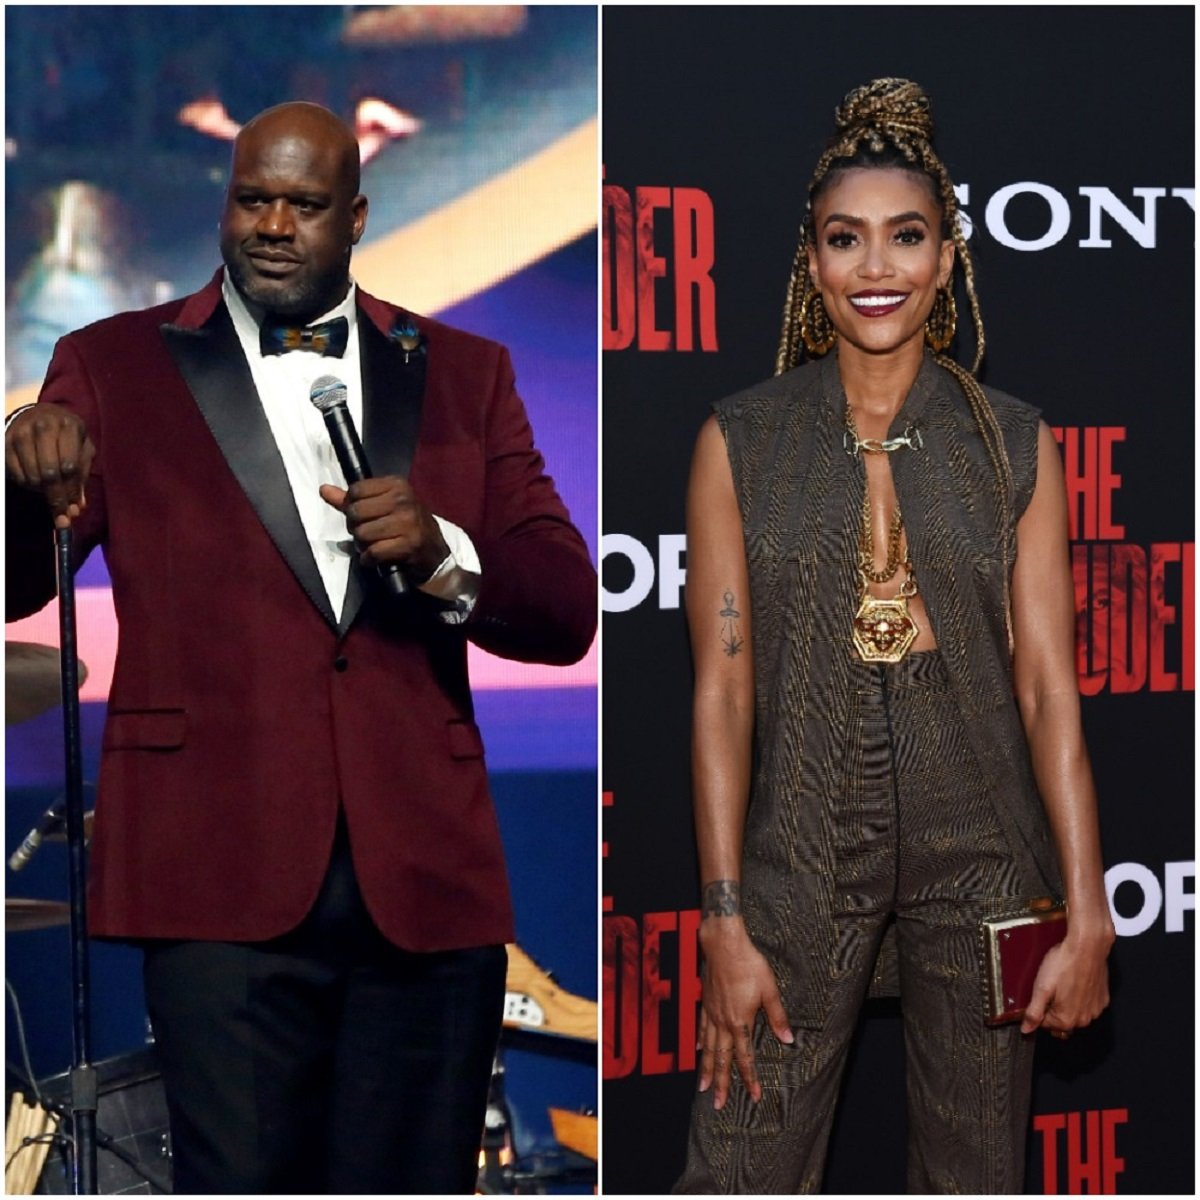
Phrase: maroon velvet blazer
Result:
[243,711]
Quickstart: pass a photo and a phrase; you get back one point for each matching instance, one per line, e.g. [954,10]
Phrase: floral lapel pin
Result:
[407,336]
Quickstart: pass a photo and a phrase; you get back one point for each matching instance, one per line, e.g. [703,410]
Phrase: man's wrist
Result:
[456,579]
[438,572]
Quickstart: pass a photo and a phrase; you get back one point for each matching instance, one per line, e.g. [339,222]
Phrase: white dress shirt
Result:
[284,382]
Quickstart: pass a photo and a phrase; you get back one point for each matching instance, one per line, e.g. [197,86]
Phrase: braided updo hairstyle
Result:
[889,123]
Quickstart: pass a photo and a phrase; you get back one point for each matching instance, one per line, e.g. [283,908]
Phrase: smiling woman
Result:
[900,799]
[878,255]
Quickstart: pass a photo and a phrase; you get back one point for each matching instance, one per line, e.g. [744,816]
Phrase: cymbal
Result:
[20,915]
[31,680]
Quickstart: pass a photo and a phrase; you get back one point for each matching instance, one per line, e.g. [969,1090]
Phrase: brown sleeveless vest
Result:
[800,494]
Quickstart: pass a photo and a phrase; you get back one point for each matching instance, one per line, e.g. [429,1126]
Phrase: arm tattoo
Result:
[722,899]
[730,638]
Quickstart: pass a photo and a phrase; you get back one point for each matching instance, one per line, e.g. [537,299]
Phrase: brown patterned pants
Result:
[917,844]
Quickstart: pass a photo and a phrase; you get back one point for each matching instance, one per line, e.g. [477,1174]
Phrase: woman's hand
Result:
[1071,988]
[738,981]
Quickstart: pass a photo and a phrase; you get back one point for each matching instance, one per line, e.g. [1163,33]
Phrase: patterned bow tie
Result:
[328,338]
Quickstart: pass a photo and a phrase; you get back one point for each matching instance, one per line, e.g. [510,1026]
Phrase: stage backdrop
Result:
[1069,132]
[478,131]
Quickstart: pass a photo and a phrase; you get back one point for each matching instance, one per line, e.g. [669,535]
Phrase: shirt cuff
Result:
[456,581]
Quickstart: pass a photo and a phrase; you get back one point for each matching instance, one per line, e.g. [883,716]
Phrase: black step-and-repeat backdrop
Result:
[1069,132]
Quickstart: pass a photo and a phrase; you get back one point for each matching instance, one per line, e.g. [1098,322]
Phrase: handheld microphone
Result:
[50,820]
[328,395]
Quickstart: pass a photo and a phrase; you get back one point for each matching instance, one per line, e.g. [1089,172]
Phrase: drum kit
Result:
[539,1015]
[132,1132]
[39,1113]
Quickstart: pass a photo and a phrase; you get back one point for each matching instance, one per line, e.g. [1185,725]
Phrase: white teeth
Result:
[876,301]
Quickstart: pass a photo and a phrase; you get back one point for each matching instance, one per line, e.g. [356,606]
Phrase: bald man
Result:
[293,818]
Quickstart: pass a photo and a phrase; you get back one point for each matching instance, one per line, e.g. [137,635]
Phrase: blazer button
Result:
[341,663]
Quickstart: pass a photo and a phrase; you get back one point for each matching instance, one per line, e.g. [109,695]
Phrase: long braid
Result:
[892,119]
[799,284]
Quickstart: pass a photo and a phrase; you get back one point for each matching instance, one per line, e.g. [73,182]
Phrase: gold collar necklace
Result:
[853,444]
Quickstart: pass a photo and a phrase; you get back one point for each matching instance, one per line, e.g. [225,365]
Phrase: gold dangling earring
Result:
[816,330]
[942,321]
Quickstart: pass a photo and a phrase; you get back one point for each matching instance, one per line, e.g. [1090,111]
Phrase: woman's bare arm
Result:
[1072,987]
[738,980]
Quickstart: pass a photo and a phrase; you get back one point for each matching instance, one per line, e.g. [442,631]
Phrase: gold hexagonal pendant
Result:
[883,630]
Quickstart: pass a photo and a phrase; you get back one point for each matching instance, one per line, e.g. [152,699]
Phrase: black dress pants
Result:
[327,1060]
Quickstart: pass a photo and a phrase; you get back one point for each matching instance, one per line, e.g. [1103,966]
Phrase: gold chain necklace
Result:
[883,630]
[866,544]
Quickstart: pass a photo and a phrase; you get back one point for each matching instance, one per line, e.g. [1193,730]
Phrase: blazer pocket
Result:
[464,739]
[145,729]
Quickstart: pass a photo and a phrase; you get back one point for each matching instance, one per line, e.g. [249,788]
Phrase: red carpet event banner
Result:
[1069,134]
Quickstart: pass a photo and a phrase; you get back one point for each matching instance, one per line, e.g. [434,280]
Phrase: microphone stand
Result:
[83,1074]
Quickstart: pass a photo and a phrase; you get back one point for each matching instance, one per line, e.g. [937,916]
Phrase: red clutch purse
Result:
[1013,949]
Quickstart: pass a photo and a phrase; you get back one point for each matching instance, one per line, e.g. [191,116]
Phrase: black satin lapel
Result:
[392,394]
[393,391]
[214,368]
[356,590]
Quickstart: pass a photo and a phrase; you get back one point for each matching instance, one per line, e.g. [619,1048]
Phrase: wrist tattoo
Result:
[730,633]
[722,898]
